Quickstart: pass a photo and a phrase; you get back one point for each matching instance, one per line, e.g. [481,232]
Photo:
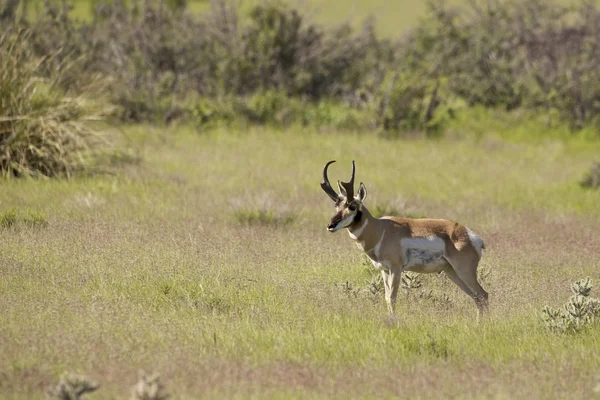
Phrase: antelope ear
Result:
[362,193]
[342,190]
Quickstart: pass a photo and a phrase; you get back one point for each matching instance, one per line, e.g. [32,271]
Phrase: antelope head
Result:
[348,206]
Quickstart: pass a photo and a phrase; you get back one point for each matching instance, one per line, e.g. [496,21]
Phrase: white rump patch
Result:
[476,241]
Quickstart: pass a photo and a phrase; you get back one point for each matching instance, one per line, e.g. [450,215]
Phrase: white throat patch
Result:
[377,249]
[357,232]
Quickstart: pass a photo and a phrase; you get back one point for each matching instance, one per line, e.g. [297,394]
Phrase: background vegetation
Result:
[270,63]
[189,238]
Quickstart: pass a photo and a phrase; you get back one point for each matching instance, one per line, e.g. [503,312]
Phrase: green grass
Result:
[180,265]
[393,17]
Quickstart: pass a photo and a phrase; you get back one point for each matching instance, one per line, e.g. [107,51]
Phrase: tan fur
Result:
[459,260]
[398,244]
[455,232]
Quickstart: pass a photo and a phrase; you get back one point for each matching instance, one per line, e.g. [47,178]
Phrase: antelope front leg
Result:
[388,290]
[394,279]
[391,280]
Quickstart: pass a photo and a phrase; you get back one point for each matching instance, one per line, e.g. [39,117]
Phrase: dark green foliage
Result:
[510,53]
[158,62]
[8,9]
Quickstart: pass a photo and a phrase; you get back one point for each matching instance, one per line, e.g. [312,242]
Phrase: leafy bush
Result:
[510,53]
[580,310]
[158,62]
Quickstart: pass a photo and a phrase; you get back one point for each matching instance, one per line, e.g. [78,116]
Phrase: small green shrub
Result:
[580,311]
[206,113]
[411,281]
[592,178]
[373,286]
[8,218]
[438,348]
[72,387]
[13,217]
[271,107]
[35,218]
[348,289]
[262,216]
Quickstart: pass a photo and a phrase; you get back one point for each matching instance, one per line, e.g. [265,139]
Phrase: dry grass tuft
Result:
[13,217]
[261,210]
[43,133]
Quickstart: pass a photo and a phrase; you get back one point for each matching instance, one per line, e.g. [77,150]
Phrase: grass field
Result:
[393,17]
[203,256]
[209,262]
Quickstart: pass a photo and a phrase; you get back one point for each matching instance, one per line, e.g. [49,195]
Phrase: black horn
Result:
[326,186]
[349,186]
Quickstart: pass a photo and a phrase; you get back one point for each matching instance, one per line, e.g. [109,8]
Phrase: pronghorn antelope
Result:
[397,244]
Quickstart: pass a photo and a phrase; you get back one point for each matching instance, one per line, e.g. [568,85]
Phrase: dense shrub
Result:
[511,53]
[158,62]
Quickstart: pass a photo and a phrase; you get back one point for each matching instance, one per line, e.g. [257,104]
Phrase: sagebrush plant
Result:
[373,285]
[580,310]
[149,387]
[43,132]
[72,387]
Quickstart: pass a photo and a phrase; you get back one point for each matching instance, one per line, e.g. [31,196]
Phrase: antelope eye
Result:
[352,207]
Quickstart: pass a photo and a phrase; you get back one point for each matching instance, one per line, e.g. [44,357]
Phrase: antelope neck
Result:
[361,221]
